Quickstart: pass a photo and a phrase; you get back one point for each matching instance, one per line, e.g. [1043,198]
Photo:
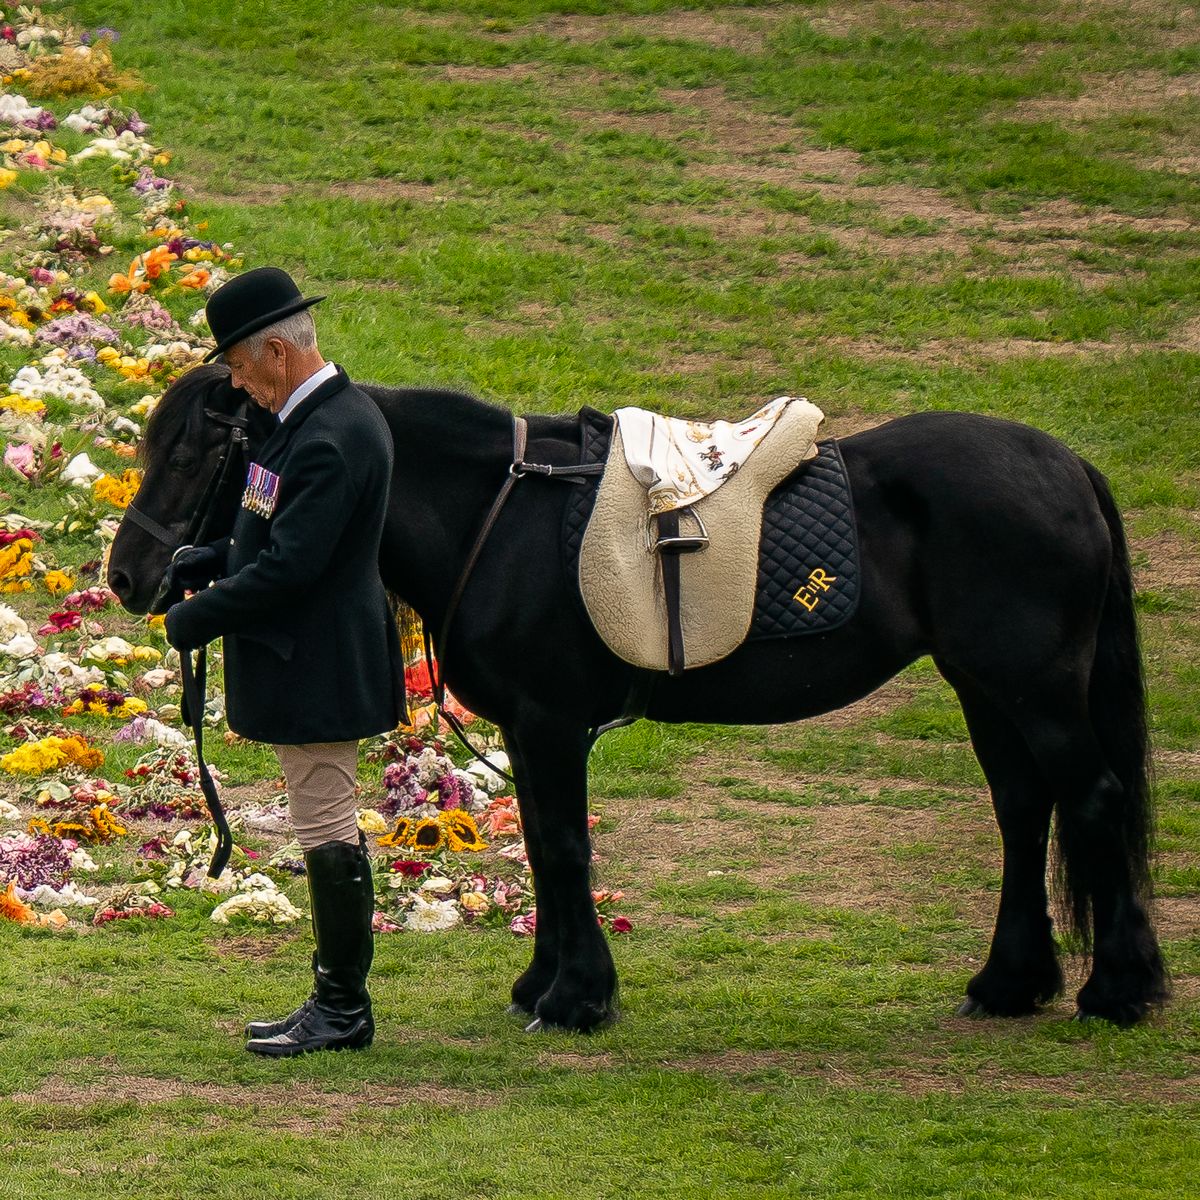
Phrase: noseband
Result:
[195,677]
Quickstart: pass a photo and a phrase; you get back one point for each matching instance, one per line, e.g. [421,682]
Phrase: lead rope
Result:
[194,682]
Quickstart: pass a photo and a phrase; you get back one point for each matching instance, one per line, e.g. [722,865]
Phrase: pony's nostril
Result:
[120,584]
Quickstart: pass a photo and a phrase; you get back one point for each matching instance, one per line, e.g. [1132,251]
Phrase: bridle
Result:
[238,423]
[195,677]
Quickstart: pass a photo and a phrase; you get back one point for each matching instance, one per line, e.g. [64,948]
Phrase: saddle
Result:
[670,553]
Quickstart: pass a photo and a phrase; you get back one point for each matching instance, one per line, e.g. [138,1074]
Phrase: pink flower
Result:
[621,925]
[19,456]
[524,926]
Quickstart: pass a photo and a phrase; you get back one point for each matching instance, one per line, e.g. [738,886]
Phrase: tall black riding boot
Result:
[338,1015]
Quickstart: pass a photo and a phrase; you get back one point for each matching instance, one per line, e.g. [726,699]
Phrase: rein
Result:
[194,679]
[517,469]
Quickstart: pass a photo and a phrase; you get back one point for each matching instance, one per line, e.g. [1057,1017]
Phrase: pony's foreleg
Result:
[1022,969]
[530,986]
[553,792]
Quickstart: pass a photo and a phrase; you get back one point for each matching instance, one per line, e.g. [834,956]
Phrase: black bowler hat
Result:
[250,302]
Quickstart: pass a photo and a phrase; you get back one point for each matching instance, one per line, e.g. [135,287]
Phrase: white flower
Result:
[57,381]
[61,669]
[431,916]
[11,623]
[81,860]
[15,334]
[268,906]
[156,678]
[21,646]
[482,775]
[81,471]
[9,812]
[14,110]
[47,897]
[109,648]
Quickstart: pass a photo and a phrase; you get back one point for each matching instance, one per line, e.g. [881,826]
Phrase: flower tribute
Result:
[103,279]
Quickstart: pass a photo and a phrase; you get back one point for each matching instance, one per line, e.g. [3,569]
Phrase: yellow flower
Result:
[19,404]
[130,708]
[93,303]
[13,145]
[147,653]
[369,821]
[157,621]
[58,581]
[427,836]
[461,830]
[118,491]
[16,561]
[400,835]
[7,177]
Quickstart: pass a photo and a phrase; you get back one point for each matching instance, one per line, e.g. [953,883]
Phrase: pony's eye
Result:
[180,463]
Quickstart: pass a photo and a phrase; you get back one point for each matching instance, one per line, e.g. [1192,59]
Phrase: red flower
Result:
[417,681]
[621,924]
[409,866]
[7,537]
[59,622]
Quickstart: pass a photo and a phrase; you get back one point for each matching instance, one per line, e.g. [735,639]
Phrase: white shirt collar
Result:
[314,381]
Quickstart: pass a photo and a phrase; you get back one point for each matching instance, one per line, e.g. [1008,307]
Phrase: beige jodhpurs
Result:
[320,781]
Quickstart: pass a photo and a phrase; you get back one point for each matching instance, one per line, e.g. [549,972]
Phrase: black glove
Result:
[194,568]
[182,628]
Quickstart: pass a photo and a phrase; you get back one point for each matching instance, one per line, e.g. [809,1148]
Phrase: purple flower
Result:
[31,860]
[75,328]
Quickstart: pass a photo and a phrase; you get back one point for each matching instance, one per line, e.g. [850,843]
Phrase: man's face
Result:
[264,377]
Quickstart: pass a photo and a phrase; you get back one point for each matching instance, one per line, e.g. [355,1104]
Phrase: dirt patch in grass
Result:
[1110,95]
[251,947]
[961,352]
[148,1090]
[741,29]
[511,73]
[1172,561]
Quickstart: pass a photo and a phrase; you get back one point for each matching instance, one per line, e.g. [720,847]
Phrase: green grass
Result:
[589,209]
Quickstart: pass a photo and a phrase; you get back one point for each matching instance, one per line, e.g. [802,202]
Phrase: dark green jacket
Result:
[311,649]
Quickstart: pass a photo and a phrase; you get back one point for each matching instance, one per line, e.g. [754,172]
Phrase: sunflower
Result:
[461,831]
[400,835]
[428,836]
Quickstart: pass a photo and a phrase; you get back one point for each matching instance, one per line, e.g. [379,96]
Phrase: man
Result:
[312,656]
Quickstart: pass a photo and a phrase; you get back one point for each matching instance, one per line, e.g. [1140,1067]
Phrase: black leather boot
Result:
[338,1014]
[266,1029]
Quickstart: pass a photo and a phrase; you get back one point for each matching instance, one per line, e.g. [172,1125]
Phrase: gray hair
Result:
[298,328]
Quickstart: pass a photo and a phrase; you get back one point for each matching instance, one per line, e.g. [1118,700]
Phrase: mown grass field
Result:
[884,207]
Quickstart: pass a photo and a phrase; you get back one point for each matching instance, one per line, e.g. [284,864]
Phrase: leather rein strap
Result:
[518,468]
[195,678]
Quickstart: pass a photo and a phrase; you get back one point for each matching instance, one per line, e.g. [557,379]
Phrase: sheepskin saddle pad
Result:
[759,522]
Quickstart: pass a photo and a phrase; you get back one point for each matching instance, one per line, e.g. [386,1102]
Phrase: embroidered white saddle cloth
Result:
[679,461]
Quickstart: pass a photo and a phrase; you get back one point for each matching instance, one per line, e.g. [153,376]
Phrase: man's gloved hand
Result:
[182,629]
[195,567]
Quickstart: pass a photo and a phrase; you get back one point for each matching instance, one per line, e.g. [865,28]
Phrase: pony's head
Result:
[193,470]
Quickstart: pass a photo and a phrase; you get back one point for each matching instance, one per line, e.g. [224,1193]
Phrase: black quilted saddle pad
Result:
[808,568]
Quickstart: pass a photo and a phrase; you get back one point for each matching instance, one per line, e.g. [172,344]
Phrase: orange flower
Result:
[14,909]
[198,277]
[157,261]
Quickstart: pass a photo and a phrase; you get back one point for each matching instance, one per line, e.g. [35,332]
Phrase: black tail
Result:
[1117,701]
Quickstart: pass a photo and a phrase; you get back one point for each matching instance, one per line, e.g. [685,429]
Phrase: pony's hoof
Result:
[971,1007]
[1085,1018]
[517,1010]
[535,1026]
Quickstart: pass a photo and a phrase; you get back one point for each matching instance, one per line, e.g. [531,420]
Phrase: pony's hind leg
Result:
[552,790]
[1102,863]
[1022,969]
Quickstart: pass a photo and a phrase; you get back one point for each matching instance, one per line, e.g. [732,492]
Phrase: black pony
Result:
[986,544]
